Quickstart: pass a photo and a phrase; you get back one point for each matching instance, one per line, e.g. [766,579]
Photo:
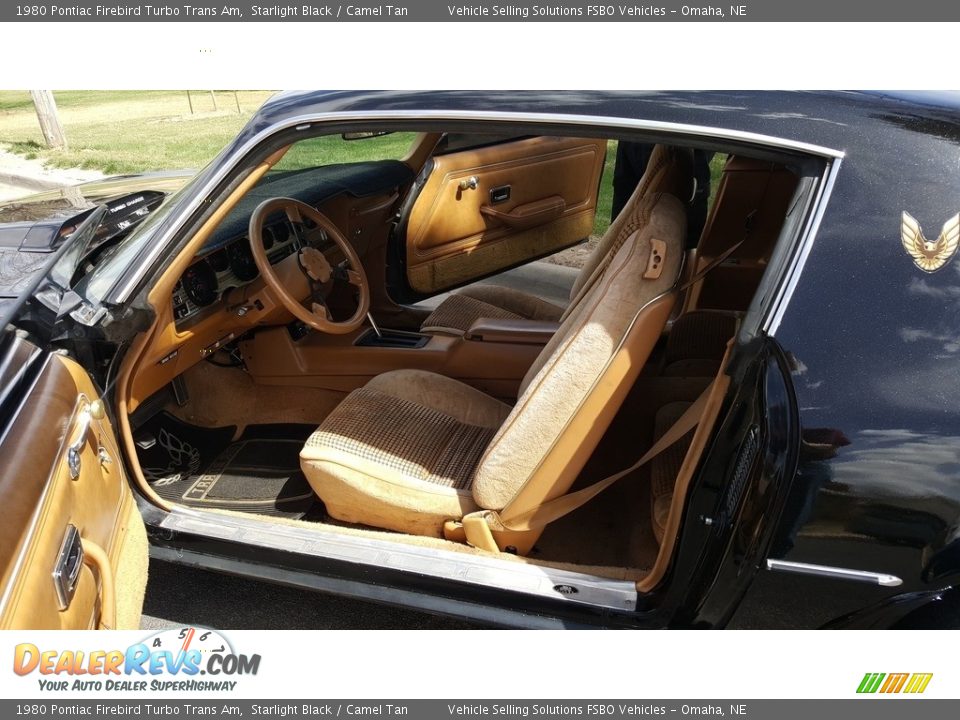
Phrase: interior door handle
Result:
[88,413]
[95,558]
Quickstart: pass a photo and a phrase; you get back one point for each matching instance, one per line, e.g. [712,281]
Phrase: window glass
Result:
[334,150]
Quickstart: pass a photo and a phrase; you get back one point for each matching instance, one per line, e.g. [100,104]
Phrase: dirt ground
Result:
[575,256]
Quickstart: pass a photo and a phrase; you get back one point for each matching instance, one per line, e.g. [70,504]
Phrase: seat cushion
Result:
[458,312]
[665,467]
[400,453]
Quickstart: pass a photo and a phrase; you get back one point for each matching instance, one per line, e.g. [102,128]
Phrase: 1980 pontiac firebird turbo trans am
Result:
[358,376]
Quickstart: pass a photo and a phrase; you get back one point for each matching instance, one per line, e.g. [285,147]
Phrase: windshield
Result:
[115,260]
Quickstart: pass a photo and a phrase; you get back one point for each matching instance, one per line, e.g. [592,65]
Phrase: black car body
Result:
[33,227]
[828,487]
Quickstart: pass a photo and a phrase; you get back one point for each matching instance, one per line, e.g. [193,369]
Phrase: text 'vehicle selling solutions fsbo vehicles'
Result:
[344,356]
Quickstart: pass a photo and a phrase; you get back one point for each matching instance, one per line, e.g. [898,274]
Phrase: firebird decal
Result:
[930,256]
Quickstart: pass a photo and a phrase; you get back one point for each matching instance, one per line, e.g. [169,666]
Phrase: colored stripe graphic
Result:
[893,683]
[918,682]
[870,682]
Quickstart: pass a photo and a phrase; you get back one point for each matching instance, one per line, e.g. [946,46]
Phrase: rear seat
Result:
[695,349]
[696,343]
[666,466]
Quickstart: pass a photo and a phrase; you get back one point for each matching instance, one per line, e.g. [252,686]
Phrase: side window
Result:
[455,142]
[347,148]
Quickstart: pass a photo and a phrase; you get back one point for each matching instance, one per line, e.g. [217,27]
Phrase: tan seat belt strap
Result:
[747,227]
[551,510]
[710,266]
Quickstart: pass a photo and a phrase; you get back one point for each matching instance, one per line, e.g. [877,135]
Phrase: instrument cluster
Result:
[229,266]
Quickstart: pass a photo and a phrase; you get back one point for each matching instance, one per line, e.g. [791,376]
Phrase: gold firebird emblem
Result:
[930,256]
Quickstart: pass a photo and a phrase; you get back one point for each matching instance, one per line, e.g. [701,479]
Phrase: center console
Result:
[492,356]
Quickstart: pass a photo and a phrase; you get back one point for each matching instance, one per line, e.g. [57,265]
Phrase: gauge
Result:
[281,231]
[267,238]
[219,260]
[241,260]
[200,284]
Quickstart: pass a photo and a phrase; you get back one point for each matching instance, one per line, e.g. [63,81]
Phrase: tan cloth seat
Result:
[670,170]
[411,450]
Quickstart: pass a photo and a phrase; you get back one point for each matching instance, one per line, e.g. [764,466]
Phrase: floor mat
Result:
[202,467]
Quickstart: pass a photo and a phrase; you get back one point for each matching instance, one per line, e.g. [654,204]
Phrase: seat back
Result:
[670,171]
[577,384]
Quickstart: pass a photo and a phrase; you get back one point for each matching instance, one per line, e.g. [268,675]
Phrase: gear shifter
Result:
[374,326]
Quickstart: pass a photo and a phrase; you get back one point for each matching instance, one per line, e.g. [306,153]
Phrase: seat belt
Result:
[551,510]
[546,512]
[711,265]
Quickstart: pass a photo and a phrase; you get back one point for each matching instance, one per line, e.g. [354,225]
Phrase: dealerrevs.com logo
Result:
[891,683]
[171,660]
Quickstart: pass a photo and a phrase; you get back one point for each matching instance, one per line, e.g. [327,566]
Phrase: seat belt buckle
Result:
[477,531]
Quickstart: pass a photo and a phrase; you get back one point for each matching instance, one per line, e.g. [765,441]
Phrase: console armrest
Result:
[517,332]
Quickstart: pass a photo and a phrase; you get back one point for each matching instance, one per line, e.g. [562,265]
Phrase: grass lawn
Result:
[119,132]
[129,131]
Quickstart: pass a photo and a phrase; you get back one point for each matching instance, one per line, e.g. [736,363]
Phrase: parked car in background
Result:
[335,360]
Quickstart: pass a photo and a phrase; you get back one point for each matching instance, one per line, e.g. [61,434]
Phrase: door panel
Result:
[487,209]
[67,504]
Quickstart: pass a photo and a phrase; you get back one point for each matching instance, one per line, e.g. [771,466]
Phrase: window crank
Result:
[470,183]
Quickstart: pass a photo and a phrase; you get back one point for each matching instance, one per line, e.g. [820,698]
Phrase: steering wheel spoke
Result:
[293,214]
[322,310]
[307,222]
[343,272]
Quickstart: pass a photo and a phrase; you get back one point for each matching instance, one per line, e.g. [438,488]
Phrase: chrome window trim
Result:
[304,122]
[838,573]
[509,575]
[777,305]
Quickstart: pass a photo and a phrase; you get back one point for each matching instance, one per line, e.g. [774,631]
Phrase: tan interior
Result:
[670,171]
[495,365]
[456,234]
[366,471]
[747,187]
[523,402]
[41,501]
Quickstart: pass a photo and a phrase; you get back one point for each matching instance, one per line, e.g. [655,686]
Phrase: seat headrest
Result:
[669,172]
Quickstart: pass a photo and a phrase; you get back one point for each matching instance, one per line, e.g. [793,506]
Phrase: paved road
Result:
[11,192]
[178,595]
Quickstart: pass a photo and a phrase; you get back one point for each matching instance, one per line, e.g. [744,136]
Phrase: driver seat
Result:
[425,454]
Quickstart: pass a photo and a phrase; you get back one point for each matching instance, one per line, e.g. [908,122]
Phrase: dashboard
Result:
[222,280]
[229,266]
[226,262]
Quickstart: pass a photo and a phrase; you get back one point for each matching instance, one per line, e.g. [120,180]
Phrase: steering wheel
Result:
[320,274]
